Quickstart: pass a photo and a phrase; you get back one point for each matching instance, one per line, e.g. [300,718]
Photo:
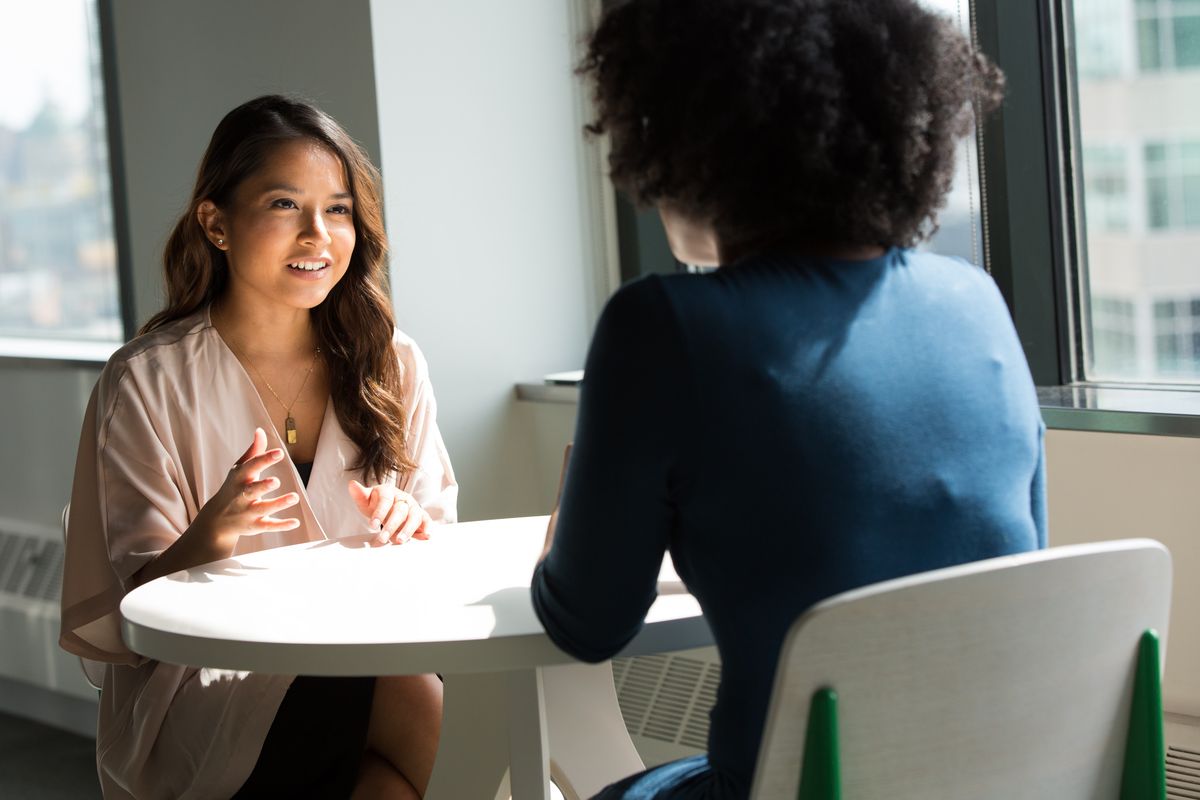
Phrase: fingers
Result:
[422,531]
[381,506]
[252,467]
[395,519]
[257,446]
[254,490]
[260,511]
[361,496]
[411,522]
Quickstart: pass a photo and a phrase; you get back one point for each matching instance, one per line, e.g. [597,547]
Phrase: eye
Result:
[283,202]
[339,209]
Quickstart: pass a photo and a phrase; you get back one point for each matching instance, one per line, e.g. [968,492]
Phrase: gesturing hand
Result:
[239,507]
[393,513]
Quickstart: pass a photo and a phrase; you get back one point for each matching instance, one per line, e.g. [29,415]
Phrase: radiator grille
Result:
[1183,774]
[31,566]
[667,697]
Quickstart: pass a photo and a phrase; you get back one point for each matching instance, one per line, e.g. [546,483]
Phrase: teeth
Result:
[307,265]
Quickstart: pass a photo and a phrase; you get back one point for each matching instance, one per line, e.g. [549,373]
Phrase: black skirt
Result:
[316,742]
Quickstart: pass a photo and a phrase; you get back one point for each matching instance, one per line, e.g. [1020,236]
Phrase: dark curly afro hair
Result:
[784,122]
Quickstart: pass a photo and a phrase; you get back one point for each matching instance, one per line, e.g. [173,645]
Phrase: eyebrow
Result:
[287,187]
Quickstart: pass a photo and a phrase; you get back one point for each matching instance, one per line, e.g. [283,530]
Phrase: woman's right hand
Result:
[238,508]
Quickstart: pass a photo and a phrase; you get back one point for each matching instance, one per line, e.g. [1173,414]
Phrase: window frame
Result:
[1034,234]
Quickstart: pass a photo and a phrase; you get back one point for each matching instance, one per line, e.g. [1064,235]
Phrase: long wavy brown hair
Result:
[354,324]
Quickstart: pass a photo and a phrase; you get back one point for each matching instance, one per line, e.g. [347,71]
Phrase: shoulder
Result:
[414,369]
[644,305]
[952,272]
[164,352]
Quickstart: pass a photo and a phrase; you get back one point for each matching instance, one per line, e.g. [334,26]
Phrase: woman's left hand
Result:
[392,512]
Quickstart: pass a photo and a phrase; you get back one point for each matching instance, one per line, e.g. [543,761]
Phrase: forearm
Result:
[198,545]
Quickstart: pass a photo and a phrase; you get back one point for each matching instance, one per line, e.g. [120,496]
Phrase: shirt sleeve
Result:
[432,483]
[1037,490]
[126,508]
[619,499]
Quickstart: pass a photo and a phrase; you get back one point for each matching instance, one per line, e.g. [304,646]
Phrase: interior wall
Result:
[491,217]
[182,65]
[1116,486]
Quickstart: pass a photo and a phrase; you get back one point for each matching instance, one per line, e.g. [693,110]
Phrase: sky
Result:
[44,51]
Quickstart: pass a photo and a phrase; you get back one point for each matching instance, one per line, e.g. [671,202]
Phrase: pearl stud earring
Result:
[220,242]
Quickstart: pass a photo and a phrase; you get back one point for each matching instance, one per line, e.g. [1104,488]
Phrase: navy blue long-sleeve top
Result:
[788,429]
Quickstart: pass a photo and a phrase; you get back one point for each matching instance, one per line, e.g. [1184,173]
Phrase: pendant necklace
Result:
[290,424]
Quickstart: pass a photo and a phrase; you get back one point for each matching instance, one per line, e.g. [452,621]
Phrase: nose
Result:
[316,232]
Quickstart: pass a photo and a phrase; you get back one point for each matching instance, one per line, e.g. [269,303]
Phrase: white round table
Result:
[458,605]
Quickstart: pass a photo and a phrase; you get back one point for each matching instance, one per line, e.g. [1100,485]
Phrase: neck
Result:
[264,333]
[805,249]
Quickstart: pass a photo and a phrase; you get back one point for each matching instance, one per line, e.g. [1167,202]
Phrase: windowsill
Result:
[1156,411]
[55,351]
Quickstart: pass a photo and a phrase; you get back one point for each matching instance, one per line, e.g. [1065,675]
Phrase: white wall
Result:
[1116,486]
[496,269]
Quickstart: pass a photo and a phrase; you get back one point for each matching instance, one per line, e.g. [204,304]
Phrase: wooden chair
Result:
[1028,676]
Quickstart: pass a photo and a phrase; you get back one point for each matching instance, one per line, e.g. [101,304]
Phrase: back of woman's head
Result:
[787,121]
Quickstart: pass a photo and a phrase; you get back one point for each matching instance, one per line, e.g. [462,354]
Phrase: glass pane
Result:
[1187,41]
[959,228]
[1191,201]
[57,253]
[1158,203]
[1149,47]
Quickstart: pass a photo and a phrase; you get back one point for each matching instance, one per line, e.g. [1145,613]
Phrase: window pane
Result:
[1158,203]
[1149,54]
[1149,259]
[57,253]
[959,227]
[1187,41]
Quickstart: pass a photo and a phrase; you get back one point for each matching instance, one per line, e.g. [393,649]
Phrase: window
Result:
[1168,34]
[959,222]
[1173,184]
[1139,149]
[58,265]
[1177,336]
[1114,325]
[1106,181]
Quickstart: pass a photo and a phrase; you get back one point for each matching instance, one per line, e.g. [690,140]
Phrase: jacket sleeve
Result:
[620,493]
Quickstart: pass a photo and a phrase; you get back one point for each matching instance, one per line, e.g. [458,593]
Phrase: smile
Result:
[309,266]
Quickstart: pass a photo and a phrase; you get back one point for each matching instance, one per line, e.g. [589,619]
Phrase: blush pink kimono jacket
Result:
[171,413]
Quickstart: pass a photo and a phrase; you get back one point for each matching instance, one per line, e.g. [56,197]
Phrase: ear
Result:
[213,222]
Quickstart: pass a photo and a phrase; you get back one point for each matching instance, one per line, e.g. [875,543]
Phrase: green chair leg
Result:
[820,776]
[1144,775]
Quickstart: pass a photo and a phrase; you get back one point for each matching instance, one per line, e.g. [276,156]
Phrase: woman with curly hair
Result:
[271,402]
[830,408]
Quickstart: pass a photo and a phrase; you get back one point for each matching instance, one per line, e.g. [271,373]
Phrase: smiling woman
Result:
[278,335]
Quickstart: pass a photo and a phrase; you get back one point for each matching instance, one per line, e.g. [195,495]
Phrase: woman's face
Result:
[289,230]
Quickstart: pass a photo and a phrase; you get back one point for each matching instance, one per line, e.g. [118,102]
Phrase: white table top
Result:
[454,604]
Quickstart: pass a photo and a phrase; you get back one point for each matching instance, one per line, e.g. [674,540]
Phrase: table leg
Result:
[473,753]
[589,744]
[529,757]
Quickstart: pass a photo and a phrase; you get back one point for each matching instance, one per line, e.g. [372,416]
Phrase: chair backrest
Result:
[1000,679]
[93,671]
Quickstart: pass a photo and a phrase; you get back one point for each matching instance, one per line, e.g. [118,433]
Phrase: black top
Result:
[305,471]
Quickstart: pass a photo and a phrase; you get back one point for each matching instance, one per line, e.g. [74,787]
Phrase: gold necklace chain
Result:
[290,424]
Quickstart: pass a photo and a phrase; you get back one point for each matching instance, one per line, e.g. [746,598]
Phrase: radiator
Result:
[31,562]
